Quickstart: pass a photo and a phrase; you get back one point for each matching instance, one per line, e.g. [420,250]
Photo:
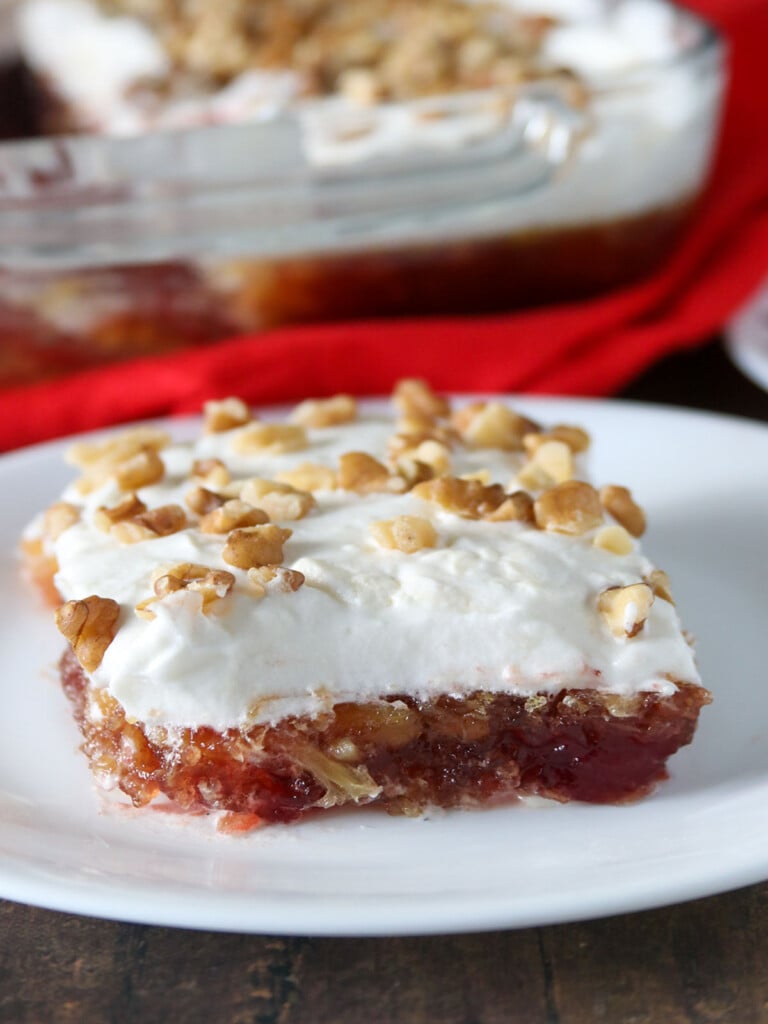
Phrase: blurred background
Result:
[325,195]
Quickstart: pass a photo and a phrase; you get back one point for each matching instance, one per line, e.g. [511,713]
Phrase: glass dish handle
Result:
[292,184]
[468,149]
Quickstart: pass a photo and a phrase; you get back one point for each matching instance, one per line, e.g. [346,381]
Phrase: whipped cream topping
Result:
[91,60]
[498,606]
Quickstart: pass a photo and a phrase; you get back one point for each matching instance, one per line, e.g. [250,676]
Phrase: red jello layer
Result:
[401,753]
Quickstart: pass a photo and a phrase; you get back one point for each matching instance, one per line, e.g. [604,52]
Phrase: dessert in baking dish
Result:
[575,137]
[342,608]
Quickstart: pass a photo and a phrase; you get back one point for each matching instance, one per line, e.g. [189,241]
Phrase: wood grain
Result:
[697,963]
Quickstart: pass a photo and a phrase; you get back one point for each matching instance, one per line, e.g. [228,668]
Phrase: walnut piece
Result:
[225,415]
[212,473]
[658,581]
[551,463]
[134,452]
[106,455]
[361,473]
[413,472]
[270,438]
[90,626]
[253,546]
[615,539]
[279,500]
[572,507]
[625,609]
[156,522]
[232,515]
[58,518]
[104,518]
[415,398]
[404,533]
[325,412]
[360,85]
[274,579]
[435,455]
[577,439]
[470,499]
[492,425]
[212,584]
[516,507]
[619,503]
[201,500]
[140,470]
[309,476]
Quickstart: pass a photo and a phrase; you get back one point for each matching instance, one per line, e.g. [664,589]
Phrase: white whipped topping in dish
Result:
[497,606]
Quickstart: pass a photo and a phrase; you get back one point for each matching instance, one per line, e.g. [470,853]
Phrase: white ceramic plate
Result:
[747,338]
[704,482]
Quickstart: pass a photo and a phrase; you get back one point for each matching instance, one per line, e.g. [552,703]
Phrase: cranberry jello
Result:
[343,607]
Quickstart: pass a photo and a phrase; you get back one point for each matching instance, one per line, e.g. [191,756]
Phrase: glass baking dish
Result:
[490,200]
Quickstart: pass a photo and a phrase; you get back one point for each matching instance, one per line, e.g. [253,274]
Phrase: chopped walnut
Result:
[279,500]
[140,470]
[572,507]
[87,455]
[615,539]
[361,473]
[516,507]
[104,518]
[405,533]
[411,430]
[212,473]
[274,579]
[413,471]
[492,425]
[225,415]
[482,475]
[132,453]
[325,412]
[369,51]
[619,503]
[232,515]
[90,626]
[625,609]
[415,398]
[156,522]
[201,501]
[212,584]
[360,85]
[253,546]
[551,463]
[430,453]
[58,518]
[658,581]
[577,439]
[467,498]
[270,438]
[309,476]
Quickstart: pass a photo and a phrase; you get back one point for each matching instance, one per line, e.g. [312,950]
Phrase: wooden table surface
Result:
[695,963]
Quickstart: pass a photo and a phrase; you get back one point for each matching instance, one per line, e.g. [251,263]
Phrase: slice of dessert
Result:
[342,608]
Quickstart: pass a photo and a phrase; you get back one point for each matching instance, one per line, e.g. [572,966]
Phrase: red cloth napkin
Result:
[590,348]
